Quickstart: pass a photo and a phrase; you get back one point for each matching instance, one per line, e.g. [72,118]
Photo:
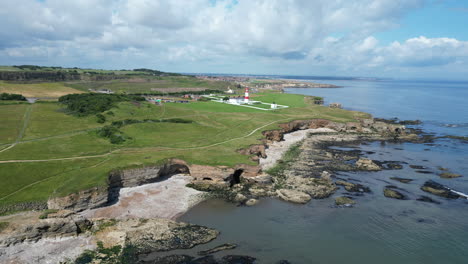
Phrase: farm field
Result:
[52,90]
[62,153]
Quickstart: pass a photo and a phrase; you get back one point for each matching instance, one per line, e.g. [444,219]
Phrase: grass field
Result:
[217,131]
[53,90]
[11,121]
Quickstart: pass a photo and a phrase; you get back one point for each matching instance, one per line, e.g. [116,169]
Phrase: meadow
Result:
[50,90]
[59,153]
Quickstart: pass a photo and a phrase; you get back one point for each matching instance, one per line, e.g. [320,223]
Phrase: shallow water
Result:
[377,229]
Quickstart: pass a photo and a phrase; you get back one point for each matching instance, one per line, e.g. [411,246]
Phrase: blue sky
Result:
[375,38]
[435,19]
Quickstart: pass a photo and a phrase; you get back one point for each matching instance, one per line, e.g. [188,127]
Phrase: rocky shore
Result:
[134,213]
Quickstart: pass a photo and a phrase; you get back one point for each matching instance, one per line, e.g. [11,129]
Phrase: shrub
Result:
[101,118]
[12,97]
[92,103]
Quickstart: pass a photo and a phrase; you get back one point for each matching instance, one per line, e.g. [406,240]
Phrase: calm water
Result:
[377,229]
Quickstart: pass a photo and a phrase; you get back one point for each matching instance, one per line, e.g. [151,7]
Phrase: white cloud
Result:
[243,35]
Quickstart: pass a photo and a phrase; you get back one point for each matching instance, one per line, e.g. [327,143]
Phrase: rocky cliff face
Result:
[100,196]
[58,76]
[363,126]
[47,228]
[91,198]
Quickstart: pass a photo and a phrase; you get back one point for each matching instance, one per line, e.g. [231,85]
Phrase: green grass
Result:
[217,132]
[291,100]
[11,117]
[49,120]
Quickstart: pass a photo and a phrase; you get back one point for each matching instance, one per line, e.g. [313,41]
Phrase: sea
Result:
[377,229]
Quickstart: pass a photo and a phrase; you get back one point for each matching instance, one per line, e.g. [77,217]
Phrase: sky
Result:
[369,38]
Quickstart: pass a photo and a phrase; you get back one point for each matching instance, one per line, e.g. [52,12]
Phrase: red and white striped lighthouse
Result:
[246,96]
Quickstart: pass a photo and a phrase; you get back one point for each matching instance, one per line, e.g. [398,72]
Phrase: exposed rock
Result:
[173,259]
[367,164]
[353,187]
[248,171]
[439,190]
[424,172]
[394,166]
[316,188]
[99,196]
[410,122]
[263,179]
[236,259]
[273,135]
[326,175]
[219,175]
[258,192]
[293,196]
[26,206]
[217,249]
[153,235]
[448,175]
[427,199]
[391,193]
[251,202]
[402,180]
[61,214]
[240,198]
[417,167]
[33,232]
[343,200]
[257,150]
[91,198]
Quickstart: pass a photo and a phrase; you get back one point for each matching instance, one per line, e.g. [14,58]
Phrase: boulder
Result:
[293,196]
[240,198]
[251,202]
[258,150]
[367,164]
[402,180]
[353,187]
[217,249]
[439,190]
[343,200]
[448,175]
[391,193]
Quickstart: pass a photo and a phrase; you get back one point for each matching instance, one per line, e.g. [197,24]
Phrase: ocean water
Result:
[377,229]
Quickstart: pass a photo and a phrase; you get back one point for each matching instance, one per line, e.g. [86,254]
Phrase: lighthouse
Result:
[246,96]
